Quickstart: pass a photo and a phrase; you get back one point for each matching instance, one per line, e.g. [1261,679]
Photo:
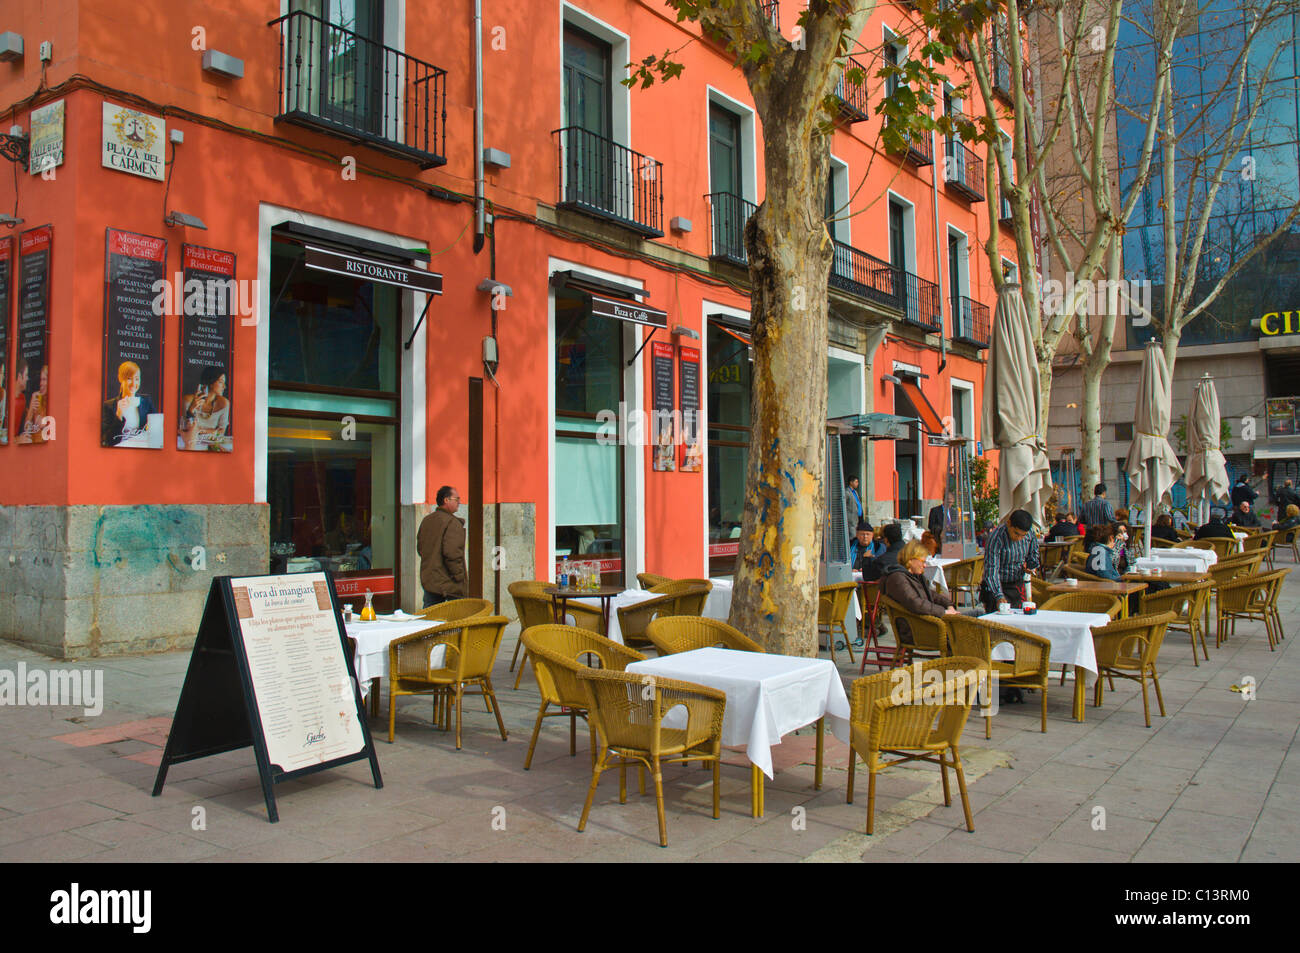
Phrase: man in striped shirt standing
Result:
[1098,509]
[1011,549]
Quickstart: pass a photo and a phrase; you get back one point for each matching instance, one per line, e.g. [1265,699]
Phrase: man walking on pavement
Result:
[441,545]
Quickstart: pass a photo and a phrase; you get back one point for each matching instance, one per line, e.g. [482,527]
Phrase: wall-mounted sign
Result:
[31,389]
[689,389]
[207,350]
[368,269]
[628,311]
[6,267]
[661,396]
[46,149]
[134,142]
[1279,322]
[132,392]
[1282,416]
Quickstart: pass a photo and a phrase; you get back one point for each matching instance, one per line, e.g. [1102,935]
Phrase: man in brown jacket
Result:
[441,545]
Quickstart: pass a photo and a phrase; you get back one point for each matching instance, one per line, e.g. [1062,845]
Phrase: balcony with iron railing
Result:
[1004,210]
[604,179]
[920,151]
[866,276]
[852,95]
[963,171]
[921,303]
[772,10]
[728,214]
[970,321]
[335,80]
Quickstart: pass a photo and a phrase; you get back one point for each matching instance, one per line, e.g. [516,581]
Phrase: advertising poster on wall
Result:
[689,388]
[46,150]
[6,269]
[29,406]
[206,349]
[132,395]
[1281,418]
[662,429]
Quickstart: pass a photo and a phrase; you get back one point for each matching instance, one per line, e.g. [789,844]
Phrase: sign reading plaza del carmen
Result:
[134,142]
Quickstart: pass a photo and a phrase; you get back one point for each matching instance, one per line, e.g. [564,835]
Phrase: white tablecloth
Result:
[1178,560]
[1069,632]
[628,597]
[768,696]
[933,573]
[373,638]
[718,605]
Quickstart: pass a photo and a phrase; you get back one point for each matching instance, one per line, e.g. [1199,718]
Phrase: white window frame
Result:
[914,369]
[960,426]
[748,141]
[909,230]
[963,267]
[620,46]
[707,308]
[842,229]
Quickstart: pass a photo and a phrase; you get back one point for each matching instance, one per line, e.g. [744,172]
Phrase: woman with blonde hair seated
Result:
[905,583]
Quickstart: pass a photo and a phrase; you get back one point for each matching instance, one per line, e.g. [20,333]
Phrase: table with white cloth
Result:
[628,597]
[1178,560]
[718,605]
[373,639]
[1070,634]
[768,696]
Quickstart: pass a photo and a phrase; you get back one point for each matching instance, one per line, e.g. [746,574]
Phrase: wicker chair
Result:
[1183,533]
[1084,602]
[560,653]
[872,651]
[454,610]
[669,586]
[471,650]
[633,619]
[1128,649]
[832,607]
[1158,543]
[1221,546]
[919,634]
[913,727]
[1261,540]
[1188,604]
[976,638]
[648,580]
[1251,597]
[684,633]
[1057,553]
[534,607]
[1076,572]
[963,579]
[1287,538]
[631,731]
[1038,590]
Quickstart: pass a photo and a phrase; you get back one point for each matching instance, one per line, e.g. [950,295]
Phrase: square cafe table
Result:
[373,639]
[1071,636]
[767,696]
[1108,586]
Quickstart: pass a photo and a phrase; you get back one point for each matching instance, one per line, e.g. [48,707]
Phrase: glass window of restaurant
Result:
[333,446]
[589,485]
[730,372]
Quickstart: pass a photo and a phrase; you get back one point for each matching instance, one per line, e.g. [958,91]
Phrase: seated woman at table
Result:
[930,543]
[1099,544]
[1164,528]
[905,583]
[1292,518]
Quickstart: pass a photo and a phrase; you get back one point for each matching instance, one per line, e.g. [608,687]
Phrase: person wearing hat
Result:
[864,544]
[1216,527]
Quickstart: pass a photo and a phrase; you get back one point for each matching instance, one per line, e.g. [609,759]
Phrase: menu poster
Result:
[206,355]
[689,381]
[29,406]
[6,267]
[661,396]
[132,394]
[1281,418]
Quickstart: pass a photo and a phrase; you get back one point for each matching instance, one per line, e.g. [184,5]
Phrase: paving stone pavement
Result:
[1218,779]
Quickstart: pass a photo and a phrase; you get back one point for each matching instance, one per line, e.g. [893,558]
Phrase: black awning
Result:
[612,300]
[369,269]
[734,329]
[350,244]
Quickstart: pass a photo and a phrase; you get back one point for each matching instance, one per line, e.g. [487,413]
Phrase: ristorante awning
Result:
[612,300]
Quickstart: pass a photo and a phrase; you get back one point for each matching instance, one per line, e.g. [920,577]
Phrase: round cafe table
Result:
[560,596]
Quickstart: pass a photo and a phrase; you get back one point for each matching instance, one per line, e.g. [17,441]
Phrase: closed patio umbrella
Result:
[1013,409]
[1152,466]
[1207,473]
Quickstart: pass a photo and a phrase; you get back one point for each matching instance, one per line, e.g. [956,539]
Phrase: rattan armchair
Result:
[633,619]
[963,579]
[453,610]
[534,607]
[832,608]
[1187,603]
[1077,572]
[648,580]
[1222,546]
[684,633]
[1184,533]
[1028,668]
[1128,649]
[1038,587]
[892,716]
[560,653]
[1287,539]
[470,650]
[1084,602]
[1263,540]
[669,586]
[1251,597]
[629,714]
[918,635]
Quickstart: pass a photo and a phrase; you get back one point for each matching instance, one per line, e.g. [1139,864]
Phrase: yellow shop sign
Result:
[1280,322]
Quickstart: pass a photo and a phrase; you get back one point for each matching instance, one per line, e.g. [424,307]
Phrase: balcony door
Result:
[960,322]
[898,257]
[340,46]
[588,120]
[729,207]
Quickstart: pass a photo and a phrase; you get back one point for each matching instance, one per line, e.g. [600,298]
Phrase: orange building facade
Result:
[287,387]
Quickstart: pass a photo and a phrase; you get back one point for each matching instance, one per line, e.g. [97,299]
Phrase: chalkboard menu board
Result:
[206,354]
[689,377]
[661,394]
[270,669]
[30,407]
[6,268]
[132,413]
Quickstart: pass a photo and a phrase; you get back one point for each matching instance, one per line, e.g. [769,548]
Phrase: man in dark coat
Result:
[441,545]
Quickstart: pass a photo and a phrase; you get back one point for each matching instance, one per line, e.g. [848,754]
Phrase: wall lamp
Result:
[682,331]
[174,219]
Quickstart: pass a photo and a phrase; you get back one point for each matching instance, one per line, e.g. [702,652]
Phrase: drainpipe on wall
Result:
[479,223]
[938,257]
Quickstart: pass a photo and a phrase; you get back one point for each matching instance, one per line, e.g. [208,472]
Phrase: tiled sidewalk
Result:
[1216,780]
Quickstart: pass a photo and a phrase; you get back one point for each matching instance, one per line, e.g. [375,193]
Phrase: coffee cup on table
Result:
[1004,607]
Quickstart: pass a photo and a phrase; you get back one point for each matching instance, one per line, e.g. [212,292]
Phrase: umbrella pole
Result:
[1151,506]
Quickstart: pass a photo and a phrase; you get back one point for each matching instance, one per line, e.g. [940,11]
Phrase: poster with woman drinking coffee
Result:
[132,414]
[206,349]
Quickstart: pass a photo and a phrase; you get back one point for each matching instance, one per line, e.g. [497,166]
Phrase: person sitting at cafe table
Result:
[905,583]
[1103,546]
[1164,528]
[865,544]
[873,568]
[1243,515]
[1292,518]
[341,536]
[1216,528]
[1011,550]
[1061,528]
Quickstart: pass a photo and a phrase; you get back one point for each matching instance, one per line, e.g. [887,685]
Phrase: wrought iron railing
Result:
[728,214]
[866,276]
[335,79]
[921,302]
[963,170]
[853,95]
[772,10]
[970,321]
[920,151]
[603,178]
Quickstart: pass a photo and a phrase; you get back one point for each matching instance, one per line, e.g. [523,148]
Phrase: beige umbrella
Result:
[1013,409]
[1152,466]
[1207,474]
